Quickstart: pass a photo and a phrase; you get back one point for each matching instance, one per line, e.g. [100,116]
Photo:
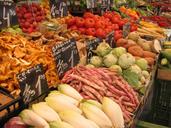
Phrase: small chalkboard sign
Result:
[126,29]
[58,8]
[92,45]
[110,39]
[66,56]
[8,15]
[32,83]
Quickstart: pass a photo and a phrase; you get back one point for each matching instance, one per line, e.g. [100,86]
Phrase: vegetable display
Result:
[92,114]
[103,82]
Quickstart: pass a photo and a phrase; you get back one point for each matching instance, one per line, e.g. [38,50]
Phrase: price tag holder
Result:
[66,56]
[126,29]
[8,15]
[58,8]
[110,39]
[32,83]
[92,45]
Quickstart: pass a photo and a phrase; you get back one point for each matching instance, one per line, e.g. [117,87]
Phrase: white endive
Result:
[59,104]
[93,123]
[94,102]
[69,91]
[63,96]
[46,112]
[31,118]
[96,115]
[114,112]
[60,124]
[75,119]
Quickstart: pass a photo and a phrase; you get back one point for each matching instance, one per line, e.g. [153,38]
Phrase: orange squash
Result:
[136,50]
[149,54]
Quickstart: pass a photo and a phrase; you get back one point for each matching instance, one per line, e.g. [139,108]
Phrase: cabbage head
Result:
[116,68]
[142,63]
[90,66]
[118,51]
[96,61]
[103,49]
[134,68]
[126,60]
[109,60]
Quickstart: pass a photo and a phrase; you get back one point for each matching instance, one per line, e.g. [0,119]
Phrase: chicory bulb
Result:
[103,49]
[96,61]
[109,60]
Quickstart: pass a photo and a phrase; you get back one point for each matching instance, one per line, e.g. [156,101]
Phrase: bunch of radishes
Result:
[29,16]
[100,26]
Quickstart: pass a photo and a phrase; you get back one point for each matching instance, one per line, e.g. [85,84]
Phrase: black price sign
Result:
[33,83]
[92,45]
[66,56]
[126,29]
[110,39]
[58,8]
[8,15]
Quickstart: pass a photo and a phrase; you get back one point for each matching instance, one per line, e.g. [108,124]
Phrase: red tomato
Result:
[108,14]
[96,17]
[100,33]
[80,22]
[115,26]
[89,23]
[82,30]
[121,23]
[117,36]
[73,27]
[88,15]
[91,31]
[134,27]
[108,30]
[100,24]
[70,21]
[110,27]
[118,32]
[115,20]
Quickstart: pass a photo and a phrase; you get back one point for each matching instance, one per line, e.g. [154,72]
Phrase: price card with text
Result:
[66,56]
[32,83]
[92,45]
[8,15]
[110,39]
[126,29]
[58,8]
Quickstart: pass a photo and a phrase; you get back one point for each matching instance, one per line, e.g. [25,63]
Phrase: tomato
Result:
[82,30]
[88,15]
[118,32]
[80,22]
[108,14]
[108,30]
[115,20]
[96,17]
[100,24]
[91,31]
[115,26]
[100,33]
[121,23]
[117,36]
[110,27]
[73,27]
[70,21]
[133,28]
[89,23]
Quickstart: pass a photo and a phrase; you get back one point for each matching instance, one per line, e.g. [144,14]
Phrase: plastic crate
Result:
[143,124]
[161,110]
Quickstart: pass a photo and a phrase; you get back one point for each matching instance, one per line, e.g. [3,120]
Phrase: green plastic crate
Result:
[143,124]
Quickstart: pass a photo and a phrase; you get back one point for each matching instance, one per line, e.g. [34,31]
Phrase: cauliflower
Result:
[142,63]
[116,68]
[126,60]
[109,60]
[96,61]
[118,51]
[103,49]
[134,68]
[145,74]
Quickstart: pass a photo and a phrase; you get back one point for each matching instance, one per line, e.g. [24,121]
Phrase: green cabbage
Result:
[116,68]
[96,61]
[136,69]
[126,60]
[142,63]
[118,51]
[109,60]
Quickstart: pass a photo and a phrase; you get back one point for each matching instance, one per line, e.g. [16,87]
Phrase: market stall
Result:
[82,64]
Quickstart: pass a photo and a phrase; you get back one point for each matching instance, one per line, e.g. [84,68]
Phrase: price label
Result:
[90,3]
[8,15]
[126,29]
[92,45]
[58,8]
[32,83]
[110,39]
[66,56]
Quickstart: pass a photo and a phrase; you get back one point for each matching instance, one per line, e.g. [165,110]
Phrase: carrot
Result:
[149,54]
[136,50]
